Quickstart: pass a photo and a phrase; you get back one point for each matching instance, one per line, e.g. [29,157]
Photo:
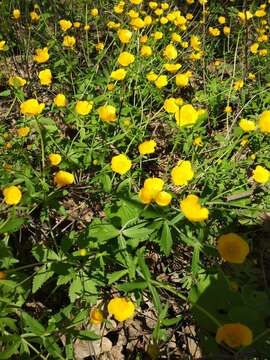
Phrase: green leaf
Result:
[32,325]
[173,321]
[12,225]
[75,289]
[103,232]
[144,268]
[195,264]
[132,286]
[5,93]
[11,349]
[52,347]
[87,335]
[115,276]
[166,239]
[138,231]
[106,183]
[41,277]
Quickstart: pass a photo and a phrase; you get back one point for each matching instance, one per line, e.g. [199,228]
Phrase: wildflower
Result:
[226,30]
[94,12]
[232,248]
[107,113]
[254,48]
[261,175]
[146,51]
[121,308]
[16,81]
[82,252]
[65,24]
[147,147]
[170,105]
[45,77]
[170,52]
[119,74]
[214,31]
[182,173]
[176,37]
[135,2]
[182,80]
[34,16]
[195,42]
[55,159]
[42,55]
[23,131]
[245,15]
[172,68]
[96,316]
[247,125]
[60,100]
[163,198]
[198,141]
[161,81]
[151,76]
[16,14]
[234,335]
[228,109]
[86,27]
[187,115]
[143,39]
[264,122]
[238,85]
[244,141]
[2,45]
[137,23]
[69,41]
[120,164]
[222,20]
[124,35]
[126,58]
[83,107]
[110,87]
[76,24]
[193,210]
[157,35]
[12,195]
[63,178]
[100,46]
[31,107]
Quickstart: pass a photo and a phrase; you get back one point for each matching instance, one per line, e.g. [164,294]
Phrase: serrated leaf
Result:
[87,335]
[12,225]
[113,277]
[32,325]
[137,231]
[166,239]
[52,347]
[11,349]
[41,277]
[103,232]
[75,289]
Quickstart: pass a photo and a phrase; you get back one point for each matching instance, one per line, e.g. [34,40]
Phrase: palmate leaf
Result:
[32,325]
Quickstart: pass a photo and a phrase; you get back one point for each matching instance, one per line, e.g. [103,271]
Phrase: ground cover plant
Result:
[134,179]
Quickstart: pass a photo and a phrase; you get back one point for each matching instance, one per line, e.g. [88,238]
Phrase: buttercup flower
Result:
[124,35]
[69,41]
[163,198]
[161,81]
[23,131]
[45,77]
[16,81]
[60,100]
[2,45]
[234,335]
[16,14]
[31,107]
[121,308]
[186,116]
[55,159]
[182,173]
[170,52]
[96,316]
[232,248]
[170,105]
[247,125]
[94,12]
[264,122]
[63,178]
[147,147]
[34,16]
[42,55]
[83,107]
[145,196]
[182,80]
[193,210]
[118,74]
[121,164]
[107,113]
[146,51]
[172,68]
[261,175]
[151,188]
[65,24]
[126,58]
[12,195]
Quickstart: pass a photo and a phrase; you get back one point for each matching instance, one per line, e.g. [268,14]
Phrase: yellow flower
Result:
[261,175]
[170,105]
[238,85]
[63,178]
[137,23]
[247,125]
[182,80]
[94,12]
[161,81]
[143,39]
[214,31]
[16,14]
[34,16]
[245,15]
[254,48]
[264,122]
[198,141]
[147,147]
[31,107]
[182,173]
[120,164]
[228,109]
[222,20]
[42,55]
[60,100]
[86,27]
[126,58]
[100,46]
[124,35]
[12,195]
[172,68]
[69,41]
[119,74]
[65,24]
[110,86]
[176,37]
[151,76]
[96,316]
[226,30]
[163,198]
[16,81]
[45,77]
[232,248]
[251,76]
[145,196]
[193,210]
[55,159]
[2,45]
[148,20]
[170,52]
[195,42]
[23,131]
[234,335]
[76,24]
[121,308]
[146,51]
[187,115]
[107,113]
[135,2]
[83,107]
[157,35]
[153,186]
